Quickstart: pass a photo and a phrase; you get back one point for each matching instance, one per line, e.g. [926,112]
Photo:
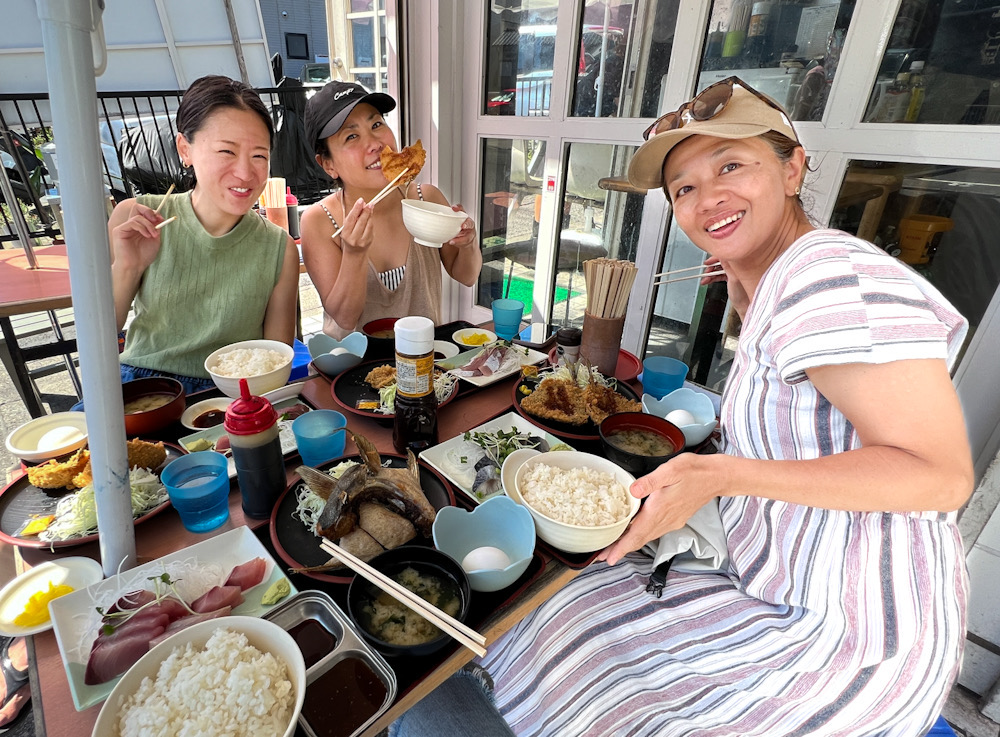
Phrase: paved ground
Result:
[57,395]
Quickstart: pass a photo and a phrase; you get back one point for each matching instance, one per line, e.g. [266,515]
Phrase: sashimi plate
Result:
[530,357]
[196,569]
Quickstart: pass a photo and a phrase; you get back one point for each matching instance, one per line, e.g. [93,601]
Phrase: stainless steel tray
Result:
[318,606]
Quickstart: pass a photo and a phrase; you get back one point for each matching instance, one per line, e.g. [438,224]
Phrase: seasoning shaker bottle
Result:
[252,425]
[568,345]
[415,424]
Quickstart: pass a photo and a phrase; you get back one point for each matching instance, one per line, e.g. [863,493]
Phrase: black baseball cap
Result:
[327,110]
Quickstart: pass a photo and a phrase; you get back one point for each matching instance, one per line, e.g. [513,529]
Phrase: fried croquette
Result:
[602,402]
[141,454]
[411,157]
[381,377]
[560,400]
[54,475]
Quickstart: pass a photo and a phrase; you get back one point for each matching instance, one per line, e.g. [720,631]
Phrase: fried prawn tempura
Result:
[411,157]
[140,455]
[381,377]
[54,475]
[560,400]
[602,402]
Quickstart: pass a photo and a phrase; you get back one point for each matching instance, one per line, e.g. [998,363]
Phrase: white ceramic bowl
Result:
[576,538]
[197,409]
[230,385]
[461,337]
[699,405]
[23,441]
[333,356]
[445,348]
[261,633]
[431,224]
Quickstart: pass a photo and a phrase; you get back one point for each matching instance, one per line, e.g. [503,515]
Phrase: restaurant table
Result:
[55,714]
[24,290]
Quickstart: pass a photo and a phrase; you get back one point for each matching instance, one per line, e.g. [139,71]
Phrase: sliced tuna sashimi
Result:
[247,575]
[178,624]
[132,600]
[112,658]
[218,597]
[136,623]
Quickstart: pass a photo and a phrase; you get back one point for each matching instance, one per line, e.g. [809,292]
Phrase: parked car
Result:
[315,73]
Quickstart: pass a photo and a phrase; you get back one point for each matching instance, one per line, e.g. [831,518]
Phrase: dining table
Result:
[55,714]
[25,290]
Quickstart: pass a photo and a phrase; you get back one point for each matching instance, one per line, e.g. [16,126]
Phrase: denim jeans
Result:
[191,384]
[459,707]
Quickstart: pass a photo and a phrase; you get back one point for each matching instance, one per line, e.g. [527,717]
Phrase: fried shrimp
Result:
[557,399]
[411,157]
[54,475]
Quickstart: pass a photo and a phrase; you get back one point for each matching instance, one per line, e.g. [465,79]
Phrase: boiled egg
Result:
[681,417]
[486,558]
[339,351]
[58,437]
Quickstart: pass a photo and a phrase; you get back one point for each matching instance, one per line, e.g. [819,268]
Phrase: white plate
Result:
[201,566]
[285,435]
[438,455]
[531,358]
[459,337]
[445,348]
[78,572]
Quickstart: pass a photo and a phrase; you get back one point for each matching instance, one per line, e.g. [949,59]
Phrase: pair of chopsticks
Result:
[377,198]
[449,625]
[710,270]
[609,283]
[169,220]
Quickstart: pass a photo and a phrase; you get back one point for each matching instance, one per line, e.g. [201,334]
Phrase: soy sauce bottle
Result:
[415,424]
[252,425]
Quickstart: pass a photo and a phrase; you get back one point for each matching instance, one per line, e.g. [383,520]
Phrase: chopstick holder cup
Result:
[601,342]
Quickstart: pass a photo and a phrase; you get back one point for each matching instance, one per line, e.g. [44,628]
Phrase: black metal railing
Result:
[139,155]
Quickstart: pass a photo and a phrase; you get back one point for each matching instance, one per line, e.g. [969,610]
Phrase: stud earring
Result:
[798,191]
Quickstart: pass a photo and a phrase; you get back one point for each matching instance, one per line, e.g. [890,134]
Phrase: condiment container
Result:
[568,345]
[415,423]
[252,425]
[292,205]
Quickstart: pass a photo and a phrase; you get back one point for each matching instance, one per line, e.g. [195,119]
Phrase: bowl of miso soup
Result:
[151,404]
[381,338]
[393,628]
[639,442]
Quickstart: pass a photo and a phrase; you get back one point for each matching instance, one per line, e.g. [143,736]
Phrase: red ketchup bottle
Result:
[252,425]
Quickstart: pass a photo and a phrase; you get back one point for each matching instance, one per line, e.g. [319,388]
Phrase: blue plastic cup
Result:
[507,317]
[662,375]
[198,485]
[320,435]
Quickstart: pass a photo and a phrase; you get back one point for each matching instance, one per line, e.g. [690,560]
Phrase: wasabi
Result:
[276,592]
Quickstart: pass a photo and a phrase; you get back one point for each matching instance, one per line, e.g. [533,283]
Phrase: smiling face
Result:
[230,154]
[735,199]
[354,150]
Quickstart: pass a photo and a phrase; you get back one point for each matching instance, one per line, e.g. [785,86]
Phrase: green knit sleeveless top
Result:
[202,292]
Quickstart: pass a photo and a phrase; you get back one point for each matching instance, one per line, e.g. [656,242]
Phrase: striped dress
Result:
[827,622]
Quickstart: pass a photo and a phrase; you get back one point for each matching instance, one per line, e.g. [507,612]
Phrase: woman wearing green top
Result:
[218,274]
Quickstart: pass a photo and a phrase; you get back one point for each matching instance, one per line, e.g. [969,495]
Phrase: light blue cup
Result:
[507,317]
[198,485]
[662,375]
[320,436]
[499,522]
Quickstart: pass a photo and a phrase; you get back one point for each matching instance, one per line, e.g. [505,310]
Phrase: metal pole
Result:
[69,65]
[20,224]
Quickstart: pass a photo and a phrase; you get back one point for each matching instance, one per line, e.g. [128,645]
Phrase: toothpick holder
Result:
[601,342]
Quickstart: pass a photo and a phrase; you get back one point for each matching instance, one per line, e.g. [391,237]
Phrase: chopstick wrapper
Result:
[698,547]
[601,341]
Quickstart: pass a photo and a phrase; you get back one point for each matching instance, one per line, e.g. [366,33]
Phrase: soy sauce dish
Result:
[206,413]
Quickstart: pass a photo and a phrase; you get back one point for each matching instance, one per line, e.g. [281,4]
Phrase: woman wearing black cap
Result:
[841,609]
[372,269]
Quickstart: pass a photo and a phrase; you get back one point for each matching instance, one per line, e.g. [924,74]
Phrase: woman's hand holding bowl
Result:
[673,493]
[467,235]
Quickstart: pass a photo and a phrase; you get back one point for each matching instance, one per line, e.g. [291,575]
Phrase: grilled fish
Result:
[397,489]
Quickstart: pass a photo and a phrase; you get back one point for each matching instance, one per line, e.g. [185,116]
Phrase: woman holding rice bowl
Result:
[842,608]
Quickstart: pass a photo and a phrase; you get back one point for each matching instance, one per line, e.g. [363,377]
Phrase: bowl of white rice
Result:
[265,364]
[580,502]
[238,676]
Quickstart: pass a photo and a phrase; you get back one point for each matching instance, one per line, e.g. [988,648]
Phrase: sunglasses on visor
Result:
[706,105]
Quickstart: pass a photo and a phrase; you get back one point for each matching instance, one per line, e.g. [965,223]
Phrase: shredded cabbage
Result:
[309,505]
[76,513]
[443,386]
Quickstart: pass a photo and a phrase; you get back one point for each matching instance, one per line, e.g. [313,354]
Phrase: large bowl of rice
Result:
[238,676]
[265,364]
[580,502]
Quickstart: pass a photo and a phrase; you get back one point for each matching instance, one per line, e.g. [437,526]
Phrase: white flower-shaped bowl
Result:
[333,356]
[699,405]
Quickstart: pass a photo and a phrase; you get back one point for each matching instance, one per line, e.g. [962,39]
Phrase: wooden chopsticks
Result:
[160,206]
[377,198]
[709,270]
[609,283]
[449,625]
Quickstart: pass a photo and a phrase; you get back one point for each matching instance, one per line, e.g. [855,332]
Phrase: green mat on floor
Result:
[520,289]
